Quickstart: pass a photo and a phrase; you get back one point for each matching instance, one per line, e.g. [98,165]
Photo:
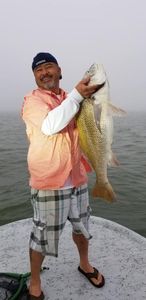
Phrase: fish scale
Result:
[95,127]
[90,140]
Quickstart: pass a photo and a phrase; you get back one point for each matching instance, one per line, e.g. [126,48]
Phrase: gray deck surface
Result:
[119,253]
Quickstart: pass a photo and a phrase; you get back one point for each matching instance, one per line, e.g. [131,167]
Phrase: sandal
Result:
[89,276]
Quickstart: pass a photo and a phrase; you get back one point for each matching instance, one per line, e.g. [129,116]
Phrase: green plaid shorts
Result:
[51,209]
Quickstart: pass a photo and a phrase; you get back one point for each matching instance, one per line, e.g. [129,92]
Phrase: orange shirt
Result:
[51,158]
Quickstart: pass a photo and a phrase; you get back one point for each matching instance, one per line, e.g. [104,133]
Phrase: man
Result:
[57,169]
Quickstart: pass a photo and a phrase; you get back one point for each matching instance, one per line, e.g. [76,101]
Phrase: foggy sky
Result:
[78,33]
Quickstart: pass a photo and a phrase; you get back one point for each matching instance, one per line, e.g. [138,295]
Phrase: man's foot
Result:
[32,297]
[34,290]
[93,276]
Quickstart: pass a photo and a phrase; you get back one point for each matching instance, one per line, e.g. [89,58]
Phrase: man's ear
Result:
[60,74]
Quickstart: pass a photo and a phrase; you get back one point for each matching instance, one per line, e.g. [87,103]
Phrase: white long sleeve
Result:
[59,117]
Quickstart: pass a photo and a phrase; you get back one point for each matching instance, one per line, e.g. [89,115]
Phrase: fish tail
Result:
[104,191]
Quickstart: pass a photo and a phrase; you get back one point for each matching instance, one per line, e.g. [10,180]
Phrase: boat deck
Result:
[119,253]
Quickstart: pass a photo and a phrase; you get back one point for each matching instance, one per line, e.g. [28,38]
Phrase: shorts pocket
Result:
[39,212]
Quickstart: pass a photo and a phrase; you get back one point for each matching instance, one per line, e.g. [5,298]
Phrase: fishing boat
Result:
[118,252]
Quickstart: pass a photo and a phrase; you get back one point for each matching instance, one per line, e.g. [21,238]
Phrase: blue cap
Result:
[42,58]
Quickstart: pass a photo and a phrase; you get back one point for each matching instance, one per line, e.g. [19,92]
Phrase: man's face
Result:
[47,76]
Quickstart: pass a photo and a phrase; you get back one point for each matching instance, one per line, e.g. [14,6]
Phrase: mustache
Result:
[45,77]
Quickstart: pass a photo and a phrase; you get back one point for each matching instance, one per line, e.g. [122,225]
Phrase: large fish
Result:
[95,126]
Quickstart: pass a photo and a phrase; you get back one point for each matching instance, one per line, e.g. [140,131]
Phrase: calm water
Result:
[128,180]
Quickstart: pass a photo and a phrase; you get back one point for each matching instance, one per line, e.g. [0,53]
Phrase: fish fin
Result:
[116,111]
[113,161]
[97,115]
[104,191]
[98,126]
[86,163]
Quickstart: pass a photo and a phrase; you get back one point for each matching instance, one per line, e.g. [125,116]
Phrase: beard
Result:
[49,85]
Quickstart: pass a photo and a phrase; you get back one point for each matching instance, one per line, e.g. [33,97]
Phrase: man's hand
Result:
[87,90]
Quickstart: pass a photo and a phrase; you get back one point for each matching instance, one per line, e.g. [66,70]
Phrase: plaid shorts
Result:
[52,208]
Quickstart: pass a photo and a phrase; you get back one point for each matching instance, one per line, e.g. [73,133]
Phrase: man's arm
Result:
[59,117]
